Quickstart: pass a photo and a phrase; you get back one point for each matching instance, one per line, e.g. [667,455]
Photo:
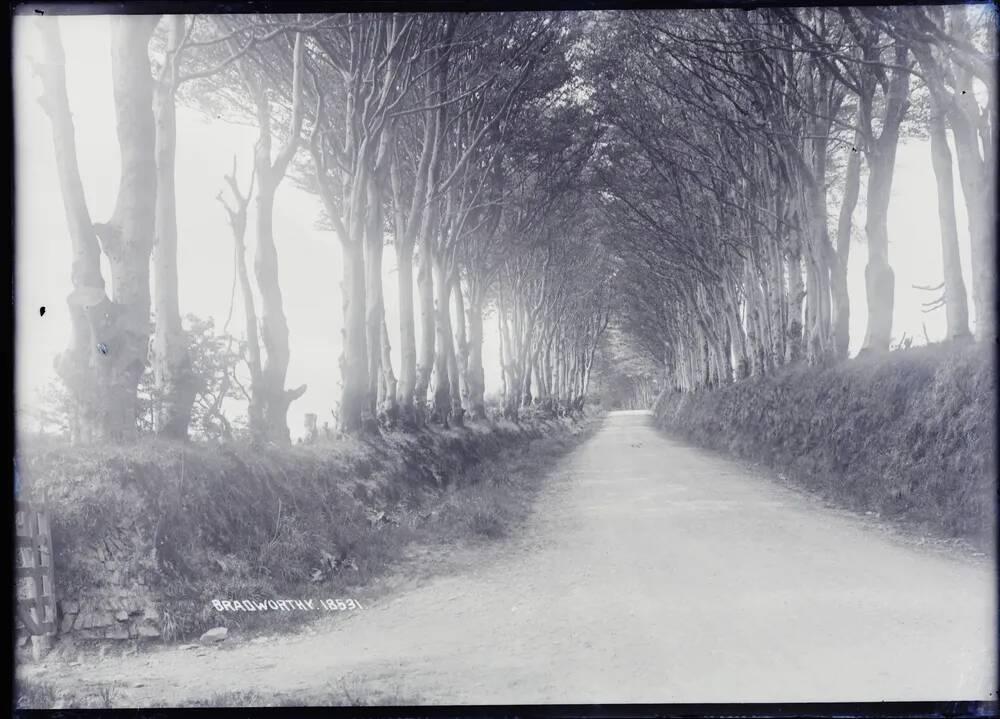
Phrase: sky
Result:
[309,259]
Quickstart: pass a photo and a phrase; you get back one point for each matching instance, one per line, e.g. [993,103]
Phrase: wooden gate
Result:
[36,589]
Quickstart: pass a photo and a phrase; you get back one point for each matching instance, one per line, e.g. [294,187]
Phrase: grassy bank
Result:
[909,434]
[301,522]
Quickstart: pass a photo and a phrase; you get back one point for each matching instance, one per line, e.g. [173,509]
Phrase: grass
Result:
[355,693]
[107,694]
[234,698]
[486,501]
[347,692]
[909,435]
[34,694]
[37,694]
[235,522]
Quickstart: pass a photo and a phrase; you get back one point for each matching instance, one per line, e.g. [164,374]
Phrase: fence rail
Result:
[35,576]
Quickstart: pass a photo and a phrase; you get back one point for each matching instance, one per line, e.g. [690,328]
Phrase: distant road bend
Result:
[650,571]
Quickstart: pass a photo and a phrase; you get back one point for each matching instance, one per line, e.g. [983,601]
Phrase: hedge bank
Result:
[146,535]
[908,434]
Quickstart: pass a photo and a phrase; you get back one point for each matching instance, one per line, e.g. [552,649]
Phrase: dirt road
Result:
[650,572]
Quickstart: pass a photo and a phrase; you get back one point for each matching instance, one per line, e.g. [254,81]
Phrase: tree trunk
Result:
[460,385]
[547,374]
[574,374]
[425,293]
[127,239]
[407,335]
[375,308]
[445,363]
[737,335]
[389,405]
[841,311]
[255,411]
[977,184]
[457,411]
[176,384]
[796,294]
[354,351]
[526,396]
[475,376]
[78,366]
[815,346]
[559,372]
[542,379]
[512,384]
[751,321]
[955,298]
[977,173]
[275,399]
[879,277]
[273,324]
[819,261]
[501,354]
[778,304]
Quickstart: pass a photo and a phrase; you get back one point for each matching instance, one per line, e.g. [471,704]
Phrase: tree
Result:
[954,298]
[175,381]
[880,152]
[214,360]
[80,367]
[275,399]
[350,155]
[237,214]
[127,237]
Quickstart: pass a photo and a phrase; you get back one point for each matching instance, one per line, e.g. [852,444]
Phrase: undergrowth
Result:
[302,522]
[909,435]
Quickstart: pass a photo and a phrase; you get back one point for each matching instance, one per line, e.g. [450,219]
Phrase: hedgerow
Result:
[909,434]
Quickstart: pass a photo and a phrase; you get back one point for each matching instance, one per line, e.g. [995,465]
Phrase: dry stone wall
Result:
[118,601]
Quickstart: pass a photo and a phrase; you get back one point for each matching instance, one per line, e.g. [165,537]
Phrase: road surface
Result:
[650,571]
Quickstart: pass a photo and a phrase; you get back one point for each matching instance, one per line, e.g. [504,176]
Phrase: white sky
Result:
[309,259]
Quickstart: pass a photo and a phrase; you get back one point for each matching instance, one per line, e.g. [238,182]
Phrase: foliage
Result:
[53,410]
[728,135]
[623,377]
[215,358]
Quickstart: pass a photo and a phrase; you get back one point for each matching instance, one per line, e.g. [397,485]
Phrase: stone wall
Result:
[117,602]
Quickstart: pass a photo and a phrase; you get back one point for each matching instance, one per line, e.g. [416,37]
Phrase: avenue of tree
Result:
[689,178]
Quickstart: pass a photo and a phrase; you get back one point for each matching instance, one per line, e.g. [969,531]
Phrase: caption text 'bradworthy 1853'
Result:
[285,605]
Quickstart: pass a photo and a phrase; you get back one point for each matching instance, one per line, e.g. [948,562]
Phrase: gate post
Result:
[34,544]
